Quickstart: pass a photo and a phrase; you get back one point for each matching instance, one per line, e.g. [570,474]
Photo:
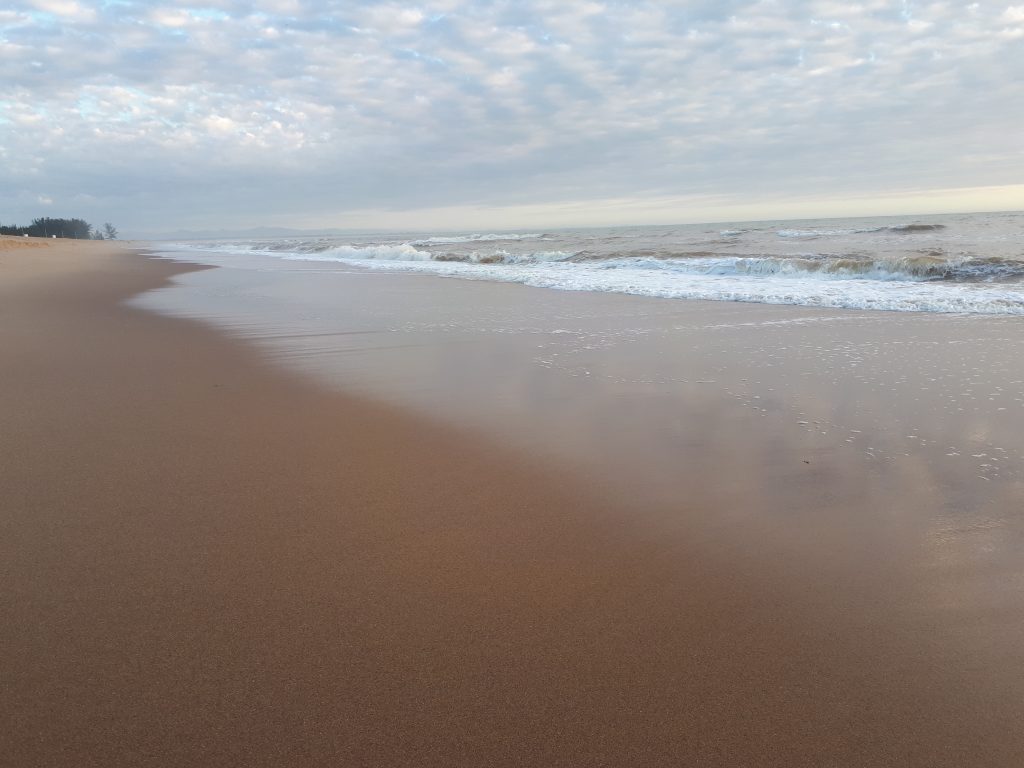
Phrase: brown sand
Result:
[206,561]
[9,243]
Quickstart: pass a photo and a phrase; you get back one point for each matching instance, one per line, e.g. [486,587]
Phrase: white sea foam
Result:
[848,294]
[809,233]
[402,252]
[964,264]
[910,228]
[504,257]
[407,252]
[810,266]
[454,239]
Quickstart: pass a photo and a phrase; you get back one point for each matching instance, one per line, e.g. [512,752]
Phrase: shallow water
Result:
[629,386]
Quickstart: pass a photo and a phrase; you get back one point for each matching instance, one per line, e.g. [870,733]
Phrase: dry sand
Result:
[207,561]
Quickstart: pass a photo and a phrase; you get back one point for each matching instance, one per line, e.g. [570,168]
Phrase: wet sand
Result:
[208,560]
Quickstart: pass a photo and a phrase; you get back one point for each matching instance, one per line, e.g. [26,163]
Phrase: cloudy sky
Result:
[470,113]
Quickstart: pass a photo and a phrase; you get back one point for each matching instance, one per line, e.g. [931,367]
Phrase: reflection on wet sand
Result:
[865,467]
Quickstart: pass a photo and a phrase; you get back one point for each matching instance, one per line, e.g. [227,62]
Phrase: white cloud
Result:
[171,17]
[66,8]
[1014,14]
[284,108]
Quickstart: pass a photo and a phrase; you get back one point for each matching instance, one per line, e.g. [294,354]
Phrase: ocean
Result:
[954,263]
[649,396]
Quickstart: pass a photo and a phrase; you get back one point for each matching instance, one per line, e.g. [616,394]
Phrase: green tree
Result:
[74,228]
[110,231]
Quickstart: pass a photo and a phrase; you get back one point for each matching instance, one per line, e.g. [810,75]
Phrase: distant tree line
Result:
[73,228]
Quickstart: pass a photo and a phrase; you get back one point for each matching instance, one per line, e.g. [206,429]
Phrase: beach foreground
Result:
[209,560]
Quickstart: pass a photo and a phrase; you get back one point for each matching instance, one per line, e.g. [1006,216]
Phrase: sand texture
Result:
[210,561]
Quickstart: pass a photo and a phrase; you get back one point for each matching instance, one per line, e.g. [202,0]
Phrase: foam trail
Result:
[970,263]
[895,296]
[403,252]
[454,239]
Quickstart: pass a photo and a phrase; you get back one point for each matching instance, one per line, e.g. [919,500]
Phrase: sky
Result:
[462,114]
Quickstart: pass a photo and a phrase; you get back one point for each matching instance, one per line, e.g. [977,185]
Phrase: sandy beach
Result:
[211,559]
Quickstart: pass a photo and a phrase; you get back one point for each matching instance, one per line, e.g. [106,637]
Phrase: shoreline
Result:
[212,561]
[965,264]
[586,379]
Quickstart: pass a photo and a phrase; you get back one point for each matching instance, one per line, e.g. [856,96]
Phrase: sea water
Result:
[627,381]
[959,263]
[828,431]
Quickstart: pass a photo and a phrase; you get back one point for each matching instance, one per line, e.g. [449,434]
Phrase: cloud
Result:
[173,113]
[68,9]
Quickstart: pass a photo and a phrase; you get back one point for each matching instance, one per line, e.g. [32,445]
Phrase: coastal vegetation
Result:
[77,229]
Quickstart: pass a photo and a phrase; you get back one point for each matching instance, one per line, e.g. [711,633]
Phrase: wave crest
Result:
[455,239]
[403,252]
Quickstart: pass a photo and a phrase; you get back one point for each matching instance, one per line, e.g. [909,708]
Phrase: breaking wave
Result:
[454,239]
[828,267]
[928,266]
[978,266]
[916,228]
[402,252]
[808,234]
[662,282]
